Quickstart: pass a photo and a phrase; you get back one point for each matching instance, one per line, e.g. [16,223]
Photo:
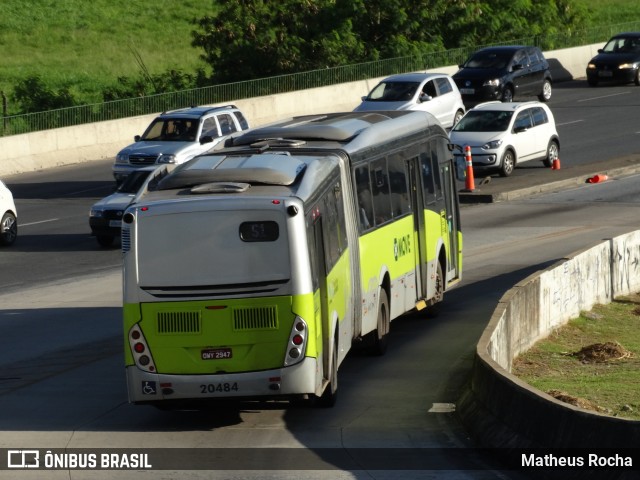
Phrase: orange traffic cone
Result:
[470,184]
[555,165]
[597,178]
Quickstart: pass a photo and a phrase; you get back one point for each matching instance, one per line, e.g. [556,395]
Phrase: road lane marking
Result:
[568,123]
[36,223]
[603,96]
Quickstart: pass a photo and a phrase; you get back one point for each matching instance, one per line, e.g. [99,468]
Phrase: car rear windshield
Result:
[484,121]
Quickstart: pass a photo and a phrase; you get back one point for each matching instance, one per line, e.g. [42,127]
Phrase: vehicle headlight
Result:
[166,158]
[96,213]
[492,145]
[122,158]
[494,82]
[627,65]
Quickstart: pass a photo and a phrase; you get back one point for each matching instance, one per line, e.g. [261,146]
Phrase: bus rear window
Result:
[266,231]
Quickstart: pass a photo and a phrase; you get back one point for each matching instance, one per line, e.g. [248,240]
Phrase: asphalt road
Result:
[61,373]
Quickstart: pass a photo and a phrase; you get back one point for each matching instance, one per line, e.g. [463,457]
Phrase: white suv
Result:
[8,216]
[177,136]
[503,135]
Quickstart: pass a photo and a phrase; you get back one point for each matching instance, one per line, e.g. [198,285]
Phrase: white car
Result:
[435,93]
[504,135]
[9,219]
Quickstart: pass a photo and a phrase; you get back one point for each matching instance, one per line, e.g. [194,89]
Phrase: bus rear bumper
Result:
[300,379]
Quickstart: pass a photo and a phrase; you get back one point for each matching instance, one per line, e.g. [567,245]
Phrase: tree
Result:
[34,96]
[257,38]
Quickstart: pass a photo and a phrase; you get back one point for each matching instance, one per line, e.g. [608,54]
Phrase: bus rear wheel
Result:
[330,394]
[380,337]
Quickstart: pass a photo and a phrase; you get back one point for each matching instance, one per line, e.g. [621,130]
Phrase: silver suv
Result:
[177,136]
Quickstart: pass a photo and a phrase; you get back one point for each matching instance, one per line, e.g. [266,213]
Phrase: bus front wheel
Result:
[434,305]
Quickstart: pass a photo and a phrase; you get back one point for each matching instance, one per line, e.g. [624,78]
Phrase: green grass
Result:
[612,386]
[611,12]
[89,44]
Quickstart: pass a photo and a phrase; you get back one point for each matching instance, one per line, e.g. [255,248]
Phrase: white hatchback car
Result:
[504,135]
[435,93]
[9,216]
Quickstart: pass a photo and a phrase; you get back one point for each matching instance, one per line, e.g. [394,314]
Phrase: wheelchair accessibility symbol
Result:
[148,388]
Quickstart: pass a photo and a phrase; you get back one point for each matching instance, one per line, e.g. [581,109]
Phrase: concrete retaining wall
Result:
[63,146]
[500,410]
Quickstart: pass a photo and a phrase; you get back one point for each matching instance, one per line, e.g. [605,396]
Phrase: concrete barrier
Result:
[101,140]
[500,410]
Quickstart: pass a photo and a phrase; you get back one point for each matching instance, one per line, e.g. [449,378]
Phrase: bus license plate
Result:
[216,353]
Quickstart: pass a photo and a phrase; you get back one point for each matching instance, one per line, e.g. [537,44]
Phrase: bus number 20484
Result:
[219,388]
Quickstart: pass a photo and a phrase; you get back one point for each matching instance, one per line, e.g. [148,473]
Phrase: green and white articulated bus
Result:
[252,270]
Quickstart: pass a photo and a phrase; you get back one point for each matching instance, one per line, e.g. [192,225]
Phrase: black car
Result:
[618,61]
[501,73]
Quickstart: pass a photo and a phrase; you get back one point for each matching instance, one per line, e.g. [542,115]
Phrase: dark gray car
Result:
[502,73]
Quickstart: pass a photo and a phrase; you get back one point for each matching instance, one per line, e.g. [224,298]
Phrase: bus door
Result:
[451,217]
[417,207]
[319,274]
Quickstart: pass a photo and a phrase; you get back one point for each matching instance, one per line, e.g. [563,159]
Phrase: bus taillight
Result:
[297,343]
[140,349]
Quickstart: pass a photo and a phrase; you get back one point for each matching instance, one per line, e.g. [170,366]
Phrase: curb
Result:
[578,179]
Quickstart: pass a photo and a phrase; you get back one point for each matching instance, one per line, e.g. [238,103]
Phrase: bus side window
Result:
[380,190]
[341,222]
[426,171]
[330,230]
[311,244]
[435,167]
[399,191]
[365,204]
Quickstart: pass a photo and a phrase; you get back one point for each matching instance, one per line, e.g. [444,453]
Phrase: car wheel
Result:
[592,82]
[508,163]
[507,94]
[456,118]
[8,229]
[105,240]
[553,151]
[636,77]
[545,96]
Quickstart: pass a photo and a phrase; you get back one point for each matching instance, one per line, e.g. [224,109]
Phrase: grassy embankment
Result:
[86,46]
[592,362]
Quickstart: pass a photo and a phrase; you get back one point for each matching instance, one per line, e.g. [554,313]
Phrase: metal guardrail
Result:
[64,117]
